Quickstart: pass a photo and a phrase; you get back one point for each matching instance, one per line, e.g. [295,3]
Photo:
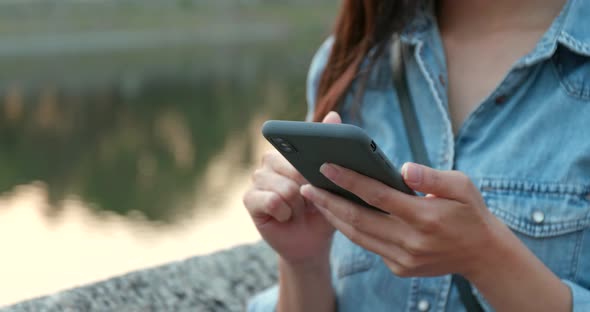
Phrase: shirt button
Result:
[500,100]
[441,79]
[423,305]
[538,217]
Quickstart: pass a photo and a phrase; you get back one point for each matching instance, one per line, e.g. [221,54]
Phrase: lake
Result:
[128,131]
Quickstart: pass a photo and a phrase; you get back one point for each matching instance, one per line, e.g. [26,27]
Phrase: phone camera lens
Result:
[283,145]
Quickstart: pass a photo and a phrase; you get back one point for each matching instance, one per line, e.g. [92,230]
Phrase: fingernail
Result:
[307,191]
[412,173]
[329,171]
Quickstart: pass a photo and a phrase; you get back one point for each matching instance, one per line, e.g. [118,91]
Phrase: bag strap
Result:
[467,297]
[405,102]
[418,149]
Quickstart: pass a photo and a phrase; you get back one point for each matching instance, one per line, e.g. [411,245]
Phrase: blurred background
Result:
[129,128]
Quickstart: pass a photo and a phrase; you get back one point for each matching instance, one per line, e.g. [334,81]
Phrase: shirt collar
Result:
[420,25]
[575,33]
[571,29]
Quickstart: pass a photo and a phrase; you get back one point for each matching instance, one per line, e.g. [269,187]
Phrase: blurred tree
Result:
[124,104]
[143,152]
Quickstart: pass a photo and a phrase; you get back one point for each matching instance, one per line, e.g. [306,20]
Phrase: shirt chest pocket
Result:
[551,219]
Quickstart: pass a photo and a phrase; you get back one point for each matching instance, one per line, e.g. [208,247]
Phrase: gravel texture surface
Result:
[218,282]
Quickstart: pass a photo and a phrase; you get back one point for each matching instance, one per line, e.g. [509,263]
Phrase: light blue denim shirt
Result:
[526,146]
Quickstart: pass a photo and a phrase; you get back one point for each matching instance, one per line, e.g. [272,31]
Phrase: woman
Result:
[502,93]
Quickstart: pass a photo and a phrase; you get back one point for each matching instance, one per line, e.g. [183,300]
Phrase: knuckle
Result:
[416,247]
[246,199]
[273,203]
[404,272]
[253,203]
[258,175]
[400,270]
[397,268]
[268,157]
[290,192]
[394,267]
[408,262]
[430,222]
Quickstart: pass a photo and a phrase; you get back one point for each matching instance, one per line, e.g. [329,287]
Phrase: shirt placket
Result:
[427,78]
[426,74]
[429,294]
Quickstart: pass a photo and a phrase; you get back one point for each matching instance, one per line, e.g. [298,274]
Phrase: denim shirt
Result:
[526,147]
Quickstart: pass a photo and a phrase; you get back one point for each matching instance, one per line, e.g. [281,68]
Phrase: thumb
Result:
[446,184]
[333,118]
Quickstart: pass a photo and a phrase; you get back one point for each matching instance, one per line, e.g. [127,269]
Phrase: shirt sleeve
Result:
[267,300]
[580,297]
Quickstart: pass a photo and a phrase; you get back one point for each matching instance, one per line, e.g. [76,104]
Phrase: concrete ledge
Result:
[219,282]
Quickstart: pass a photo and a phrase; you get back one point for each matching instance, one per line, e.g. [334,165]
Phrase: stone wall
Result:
[219,282]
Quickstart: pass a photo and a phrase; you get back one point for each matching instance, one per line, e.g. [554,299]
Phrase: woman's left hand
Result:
[448,231]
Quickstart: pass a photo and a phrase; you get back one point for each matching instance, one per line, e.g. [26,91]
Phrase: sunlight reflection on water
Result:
[42,255]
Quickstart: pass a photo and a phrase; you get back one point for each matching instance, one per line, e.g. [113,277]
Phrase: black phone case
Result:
[308,145]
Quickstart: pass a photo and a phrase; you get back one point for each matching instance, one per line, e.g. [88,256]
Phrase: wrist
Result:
[501,252]
[508,271]
[310,266]
[305,285]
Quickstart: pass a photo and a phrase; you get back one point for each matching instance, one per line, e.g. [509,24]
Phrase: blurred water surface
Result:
[128,129]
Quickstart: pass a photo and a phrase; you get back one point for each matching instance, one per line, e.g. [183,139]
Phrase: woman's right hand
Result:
[289,223]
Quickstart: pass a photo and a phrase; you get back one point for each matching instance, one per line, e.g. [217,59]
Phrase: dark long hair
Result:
[361,25]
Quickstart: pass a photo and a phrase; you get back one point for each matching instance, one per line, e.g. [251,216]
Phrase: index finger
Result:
[279,164]
[373,192]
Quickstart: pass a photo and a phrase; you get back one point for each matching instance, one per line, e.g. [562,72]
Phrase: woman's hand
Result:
[448,231]
[296,230]
[288,222]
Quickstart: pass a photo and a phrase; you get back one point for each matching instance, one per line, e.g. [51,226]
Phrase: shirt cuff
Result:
[580,297]
[265,301]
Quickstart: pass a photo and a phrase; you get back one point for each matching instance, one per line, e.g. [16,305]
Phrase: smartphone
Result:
[308,145]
